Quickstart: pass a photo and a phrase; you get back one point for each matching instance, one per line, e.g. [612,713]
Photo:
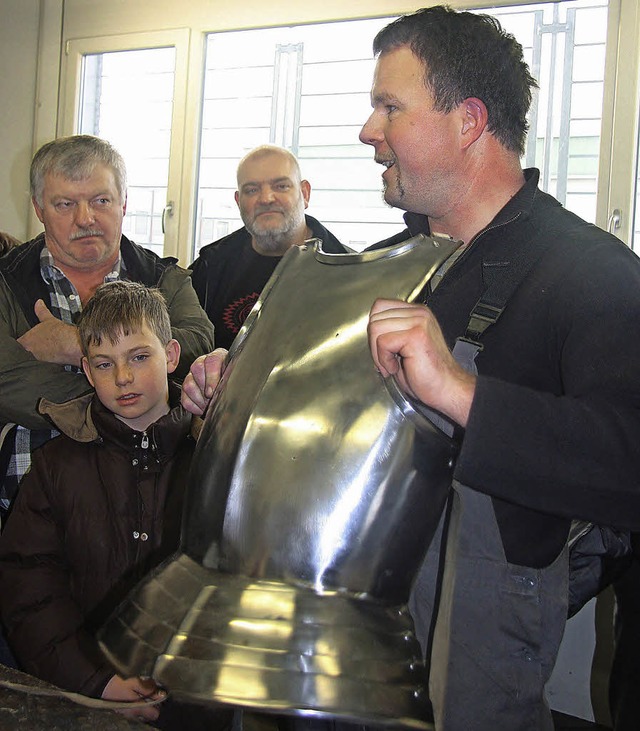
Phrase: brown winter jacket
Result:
[101,505]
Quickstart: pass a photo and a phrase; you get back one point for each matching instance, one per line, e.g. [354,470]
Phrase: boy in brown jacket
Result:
[101,504]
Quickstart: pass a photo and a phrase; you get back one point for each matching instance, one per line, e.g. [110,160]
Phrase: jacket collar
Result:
[84,419]
[20,268]
[73,417]
[329,242]
[143,265]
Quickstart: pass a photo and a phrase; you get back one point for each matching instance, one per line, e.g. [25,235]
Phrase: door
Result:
[131,90]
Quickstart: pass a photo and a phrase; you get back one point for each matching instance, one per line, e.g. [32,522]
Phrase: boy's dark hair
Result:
[468,55]
[120,308]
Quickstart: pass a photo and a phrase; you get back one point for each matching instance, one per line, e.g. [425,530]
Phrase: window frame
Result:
[616,168]
[179,39]
[621,108]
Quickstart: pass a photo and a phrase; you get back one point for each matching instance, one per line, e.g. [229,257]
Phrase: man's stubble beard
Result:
[398,193]
[277,240]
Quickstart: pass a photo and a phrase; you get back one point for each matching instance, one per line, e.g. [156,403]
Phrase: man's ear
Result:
[124,205]
[172,351]
[236,195]
[305,187]
[87,370]
[37,209]
[474,120]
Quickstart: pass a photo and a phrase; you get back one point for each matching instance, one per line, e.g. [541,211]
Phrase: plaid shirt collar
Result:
[51,273]
[65,302]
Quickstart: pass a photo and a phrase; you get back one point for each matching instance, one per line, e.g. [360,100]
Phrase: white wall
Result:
[19,24]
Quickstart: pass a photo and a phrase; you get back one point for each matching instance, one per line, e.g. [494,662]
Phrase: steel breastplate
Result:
[315,489]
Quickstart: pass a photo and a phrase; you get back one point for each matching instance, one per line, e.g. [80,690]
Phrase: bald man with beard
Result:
[229,275]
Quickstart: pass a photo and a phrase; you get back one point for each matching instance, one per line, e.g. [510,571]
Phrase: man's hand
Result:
[52,340]
[135,689]
[200,383]
[406,342]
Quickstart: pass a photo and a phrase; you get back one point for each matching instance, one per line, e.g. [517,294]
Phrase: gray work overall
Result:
[498,626]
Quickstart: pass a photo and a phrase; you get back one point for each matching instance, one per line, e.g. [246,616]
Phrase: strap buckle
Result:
[482,317]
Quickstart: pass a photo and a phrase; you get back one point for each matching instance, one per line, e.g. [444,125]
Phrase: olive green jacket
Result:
[24,379]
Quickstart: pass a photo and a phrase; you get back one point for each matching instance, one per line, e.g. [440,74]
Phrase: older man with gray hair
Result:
[78,189]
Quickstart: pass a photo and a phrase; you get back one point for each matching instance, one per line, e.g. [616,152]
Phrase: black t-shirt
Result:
[229,276]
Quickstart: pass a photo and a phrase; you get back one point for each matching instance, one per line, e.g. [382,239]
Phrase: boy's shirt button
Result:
[143,536]
[136,534]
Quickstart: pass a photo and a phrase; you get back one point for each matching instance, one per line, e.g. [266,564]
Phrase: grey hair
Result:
[74,158]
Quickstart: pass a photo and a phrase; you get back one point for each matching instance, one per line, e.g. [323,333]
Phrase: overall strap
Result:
[501,278]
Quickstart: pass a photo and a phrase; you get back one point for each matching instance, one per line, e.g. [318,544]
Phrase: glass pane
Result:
[127,98]
[307,88]
[635,231]
[564,45]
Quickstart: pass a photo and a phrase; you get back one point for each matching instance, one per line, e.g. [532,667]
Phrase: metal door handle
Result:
[615,219]
[166,211]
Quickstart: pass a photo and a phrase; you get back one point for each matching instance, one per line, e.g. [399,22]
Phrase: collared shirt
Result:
[65,304]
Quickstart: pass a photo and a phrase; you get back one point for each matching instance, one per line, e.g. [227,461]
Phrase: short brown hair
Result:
[121,308]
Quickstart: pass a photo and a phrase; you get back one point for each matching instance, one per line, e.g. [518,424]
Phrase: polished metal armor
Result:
[314,493]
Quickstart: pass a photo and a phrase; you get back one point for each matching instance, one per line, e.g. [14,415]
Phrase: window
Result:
[130,87]
[635,239]
[140,82]
[307,88]
[564,46]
